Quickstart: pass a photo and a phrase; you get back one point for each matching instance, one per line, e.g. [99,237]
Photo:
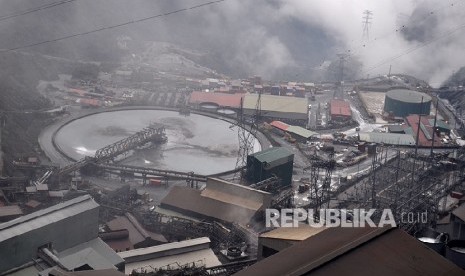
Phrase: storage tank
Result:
[403,102]
[433,239]
[455,252]
[371,148]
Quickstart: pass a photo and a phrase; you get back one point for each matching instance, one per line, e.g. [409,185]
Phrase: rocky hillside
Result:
[455,87]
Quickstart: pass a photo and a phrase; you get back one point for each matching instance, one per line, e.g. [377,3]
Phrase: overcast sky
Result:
[271,38]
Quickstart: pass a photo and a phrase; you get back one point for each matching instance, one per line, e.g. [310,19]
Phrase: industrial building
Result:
[220,201]
[277,161]
[65,235]
[402,102]
[271,242]
[198,98]
[387,138]
[291,110]
[297,132]
[171,255]
[339,110]
[126,233]
[356,251]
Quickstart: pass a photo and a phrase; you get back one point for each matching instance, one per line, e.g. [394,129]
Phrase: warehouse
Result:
[402,102]
[291,110]
[339,110]
[264,164]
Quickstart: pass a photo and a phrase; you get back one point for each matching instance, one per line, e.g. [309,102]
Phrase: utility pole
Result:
[367,16]
[434,130]
[389,74]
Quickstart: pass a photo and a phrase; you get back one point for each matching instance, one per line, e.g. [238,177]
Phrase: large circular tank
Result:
[197,143]
[402,102]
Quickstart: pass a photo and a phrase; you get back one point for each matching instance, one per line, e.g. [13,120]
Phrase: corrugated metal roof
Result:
[355,251]
[180,247]
[276,103]
[101,272]
[137,233]
[94,253]
[302,132]
[439,123]
[46,216]
[280,125]
[221,99]
[340,107]
[426,133]
[200,257]
[387,138]
[190,201]
[408,130]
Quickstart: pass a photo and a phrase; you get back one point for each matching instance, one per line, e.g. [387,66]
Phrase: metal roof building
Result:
[277,161]
[220,200]
[402,102]
[356,251]
[387,138]
[339,110]
[136,237]
[291,110]
[296,131]
[170,254]
[64,225]
[219,99]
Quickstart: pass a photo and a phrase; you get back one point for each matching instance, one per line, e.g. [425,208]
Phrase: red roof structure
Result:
[221,99]
[340,108]
[280,125]
[425,135]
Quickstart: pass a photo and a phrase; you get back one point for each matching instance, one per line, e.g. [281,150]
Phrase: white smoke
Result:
[268,37]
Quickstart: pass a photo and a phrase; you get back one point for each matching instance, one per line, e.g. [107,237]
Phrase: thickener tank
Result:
[402,102]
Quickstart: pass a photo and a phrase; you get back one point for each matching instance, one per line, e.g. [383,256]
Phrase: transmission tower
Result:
[339,92]
[246,134]
[367,16]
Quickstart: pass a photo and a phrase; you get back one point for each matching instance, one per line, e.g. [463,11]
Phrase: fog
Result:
[289,39]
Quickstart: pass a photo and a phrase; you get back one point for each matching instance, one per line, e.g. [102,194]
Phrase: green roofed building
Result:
[264,164]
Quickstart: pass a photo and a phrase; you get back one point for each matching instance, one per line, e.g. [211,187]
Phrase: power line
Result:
[40,8]
[364,44]
[112,26]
